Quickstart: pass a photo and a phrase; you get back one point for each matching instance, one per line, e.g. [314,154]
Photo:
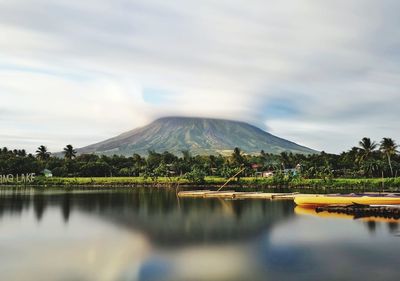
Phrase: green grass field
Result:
[374,184]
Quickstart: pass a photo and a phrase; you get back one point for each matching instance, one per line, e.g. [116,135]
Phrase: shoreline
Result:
[247,184]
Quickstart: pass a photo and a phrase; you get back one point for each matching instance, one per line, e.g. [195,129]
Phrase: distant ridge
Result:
[201,136]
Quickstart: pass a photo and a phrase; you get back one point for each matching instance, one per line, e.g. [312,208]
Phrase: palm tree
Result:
[21,153]
[212,160]
[389,147]
[237,157]
[285,160]
[42,153]
[366,148]
[186,155]
[69,152]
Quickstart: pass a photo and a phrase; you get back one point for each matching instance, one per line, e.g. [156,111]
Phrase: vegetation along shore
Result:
[244,184]
[368,167]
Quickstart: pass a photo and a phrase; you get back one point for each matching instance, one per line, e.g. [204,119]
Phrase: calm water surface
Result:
[148,234]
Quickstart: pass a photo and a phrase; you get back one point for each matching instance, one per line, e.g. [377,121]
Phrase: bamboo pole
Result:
[231,178]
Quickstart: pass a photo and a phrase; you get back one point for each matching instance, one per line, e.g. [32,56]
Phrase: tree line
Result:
[368,159]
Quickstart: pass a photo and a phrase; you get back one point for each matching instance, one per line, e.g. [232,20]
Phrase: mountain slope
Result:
[199,135]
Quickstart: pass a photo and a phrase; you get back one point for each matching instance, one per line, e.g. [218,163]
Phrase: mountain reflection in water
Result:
[148,234]
[166,220]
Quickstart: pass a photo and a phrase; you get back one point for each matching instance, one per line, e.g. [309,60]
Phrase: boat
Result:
[307,200]
[303,211]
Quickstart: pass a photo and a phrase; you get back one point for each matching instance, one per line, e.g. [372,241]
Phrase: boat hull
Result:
[325,200]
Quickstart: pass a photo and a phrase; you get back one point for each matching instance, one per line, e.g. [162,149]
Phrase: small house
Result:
[292,172]
[47,173]
[265,174]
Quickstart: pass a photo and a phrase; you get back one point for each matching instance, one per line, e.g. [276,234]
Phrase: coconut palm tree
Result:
[21,152]
[389,148]
[366,148]
[42,153]
[69,152]
[237,157]
[186,155]
[212,160]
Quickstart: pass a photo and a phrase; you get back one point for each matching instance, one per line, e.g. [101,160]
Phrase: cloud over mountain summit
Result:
[322,73]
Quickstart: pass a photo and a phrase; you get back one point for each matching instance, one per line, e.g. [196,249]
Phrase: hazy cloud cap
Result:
[322,73]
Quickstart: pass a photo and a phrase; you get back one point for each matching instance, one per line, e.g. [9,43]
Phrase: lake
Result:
[148,234]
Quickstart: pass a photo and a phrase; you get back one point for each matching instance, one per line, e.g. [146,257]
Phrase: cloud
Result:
[323,74]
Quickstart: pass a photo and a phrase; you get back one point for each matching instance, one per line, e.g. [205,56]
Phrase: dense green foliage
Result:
[369,160]
[248,183]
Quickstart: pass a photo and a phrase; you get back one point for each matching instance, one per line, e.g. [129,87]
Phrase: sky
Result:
[321,73]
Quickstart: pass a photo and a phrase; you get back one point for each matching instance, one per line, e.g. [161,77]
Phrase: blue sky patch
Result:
[73,76]
[281,108]
[156,96]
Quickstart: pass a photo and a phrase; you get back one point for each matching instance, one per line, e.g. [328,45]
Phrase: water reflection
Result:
[164,218]
[148,234]
[370,222]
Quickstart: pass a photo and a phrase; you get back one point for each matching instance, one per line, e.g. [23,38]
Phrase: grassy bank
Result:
[370,184]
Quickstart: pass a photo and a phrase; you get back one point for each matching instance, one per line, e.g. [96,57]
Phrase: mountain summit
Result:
[198,135]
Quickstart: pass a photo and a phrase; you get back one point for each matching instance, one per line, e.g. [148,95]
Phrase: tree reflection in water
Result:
[167,220]
[150,234]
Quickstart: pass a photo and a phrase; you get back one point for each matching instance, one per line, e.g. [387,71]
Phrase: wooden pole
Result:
[231,178]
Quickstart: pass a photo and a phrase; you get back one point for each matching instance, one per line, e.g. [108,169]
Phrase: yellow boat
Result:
[311,212]
[335,199]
